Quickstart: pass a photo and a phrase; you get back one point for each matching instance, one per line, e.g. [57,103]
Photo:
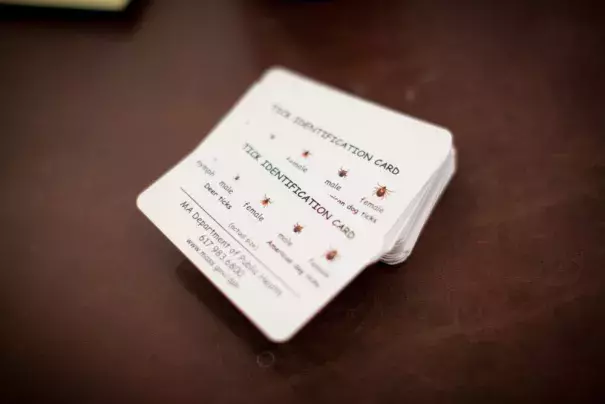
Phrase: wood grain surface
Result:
[503,299]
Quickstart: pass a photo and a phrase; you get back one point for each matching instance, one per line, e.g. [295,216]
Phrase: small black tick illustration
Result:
[331,255]
[382,191]
[266,201]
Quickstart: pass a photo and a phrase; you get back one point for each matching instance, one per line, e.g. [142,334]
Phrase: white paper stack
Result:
[297,190]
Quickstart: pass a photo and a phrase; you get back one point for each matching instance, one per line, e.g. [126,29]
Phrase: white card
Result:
[389,158]
[240,233]
[295,192]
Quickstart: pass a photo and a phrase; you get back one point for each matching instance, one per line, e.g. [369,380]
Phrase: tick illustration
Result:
[298,228]
[306,153]
[266,201]
[236,178]
[331,255]
[382,191]
[342,172]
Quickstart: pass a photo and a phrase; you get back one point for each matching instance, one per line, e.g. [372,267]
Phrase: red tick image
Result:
[306,153]
[382,191]
[298,228]
[342,172]
[266,201]
[331,255]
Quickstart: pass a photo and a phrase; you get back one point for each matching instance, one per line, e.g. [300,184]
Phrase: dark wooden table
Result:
[502,301]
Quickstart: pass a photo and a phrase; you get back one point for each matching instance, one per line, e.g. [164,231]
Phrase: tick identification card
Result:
[277,248]
[373,161]
[295,192]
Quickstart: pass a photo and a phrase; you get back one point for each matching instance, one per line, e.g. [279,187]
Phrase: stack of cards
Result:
[297,190]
